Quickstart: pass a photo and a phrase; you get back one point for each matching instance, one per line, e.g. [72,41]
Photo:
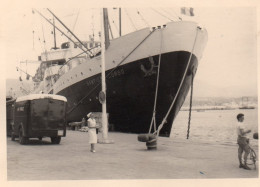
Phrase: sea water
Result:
[218,126]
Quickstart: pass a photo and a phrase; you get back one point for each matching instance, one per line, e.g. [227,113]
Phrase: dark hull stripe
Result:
[131,92]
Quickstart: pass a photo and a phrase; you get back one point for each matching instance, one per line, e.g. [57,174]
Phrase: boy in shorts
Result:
[242,141]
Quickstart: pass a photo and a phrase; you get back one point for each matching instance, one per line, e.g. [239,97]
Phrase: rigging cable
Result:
[39,39]
[75,21]
[20,72]
[46,55]
[115,25]
[73,58]
[93,26]
[177,93]
[109,29]
[63,33]
[131,21]
[33,39]
[177,15]
[162,14]
[64,55]
[71,33]
[117,30]
[143,18]
[80,101]
[43,38]
[178,18]
[44,44]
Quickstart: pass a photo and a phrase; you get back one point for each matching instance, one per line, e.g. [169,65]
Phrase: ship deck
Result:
[125,159]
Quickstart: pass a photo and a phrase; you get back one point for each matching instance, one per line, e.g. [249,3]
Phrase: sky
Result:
[228,65]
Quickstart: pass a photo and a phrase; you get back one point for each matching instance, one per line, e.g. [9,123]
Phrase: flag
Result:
[187,11]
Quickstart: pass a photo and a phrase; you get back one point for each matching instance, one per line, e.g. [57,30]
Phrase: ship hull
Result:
[131,93]
[132,63]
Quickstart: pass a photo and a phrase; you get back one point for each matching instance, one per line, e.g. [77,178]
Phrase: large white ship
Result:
[134,62]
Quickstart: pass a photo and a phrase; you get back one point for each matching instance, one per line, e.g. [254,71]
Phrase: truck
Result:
[9,115]
[38,116]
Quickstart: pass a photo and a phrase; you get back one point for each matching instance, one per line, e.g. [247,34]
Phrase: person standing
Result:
[92,125]
[242,141]
[83,122]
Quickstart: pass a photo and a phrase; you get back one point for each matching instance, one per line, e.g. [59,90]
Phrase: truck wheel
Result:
[55,140]
[22,140]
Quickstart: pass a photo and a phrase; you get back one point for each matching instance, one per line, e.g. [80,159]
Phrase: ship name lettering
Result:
[93,81]
[117,73]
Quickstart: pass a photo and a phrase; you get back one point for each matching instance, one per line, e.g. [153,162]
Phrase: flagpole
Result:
[103,92]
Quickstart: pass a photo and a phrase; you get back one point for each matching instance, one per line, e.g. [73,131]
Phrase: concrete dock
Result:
[125,159]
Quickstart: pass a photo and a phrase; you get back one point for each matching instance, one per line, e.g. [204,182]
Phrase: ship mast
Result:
[120,29]
[54,34]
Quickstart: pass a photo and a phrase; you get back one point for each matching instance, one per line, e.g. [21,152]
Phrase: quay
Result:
[125,159]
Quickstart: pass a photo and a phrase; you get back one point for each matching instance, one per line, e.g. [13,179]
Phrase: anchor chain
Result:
[191,93]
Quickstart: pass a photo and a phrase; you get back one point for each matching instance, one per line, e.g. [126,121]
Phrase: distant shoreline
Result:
[204,109]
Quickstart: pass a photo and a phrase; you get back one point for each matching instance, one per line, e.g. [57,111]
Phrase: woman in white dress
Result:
[92,125]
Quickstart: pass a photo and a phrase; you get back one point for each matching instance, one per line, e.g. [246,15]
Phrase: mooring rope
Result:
[156,90]
[177,93]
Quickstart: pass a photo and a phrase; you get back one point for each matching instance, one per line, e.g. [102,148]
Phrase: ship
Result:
[245,104]
[149,73]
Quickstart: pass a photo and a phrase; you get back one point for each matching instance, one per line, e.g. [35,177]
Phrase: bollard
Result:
[150,139]
[143,137]
[152,144]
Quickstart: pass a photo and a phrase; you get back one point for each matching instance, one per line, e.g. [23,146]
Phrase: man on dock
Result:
[242,141]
